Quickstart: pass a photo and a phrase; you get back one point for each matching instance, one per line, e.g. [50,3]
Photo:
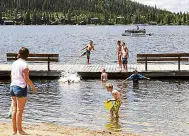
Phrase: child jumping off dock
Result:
[116,99]
[88,48]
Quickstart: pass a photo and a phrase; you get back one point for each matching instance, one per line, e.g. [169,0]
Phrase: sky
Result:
[170,5]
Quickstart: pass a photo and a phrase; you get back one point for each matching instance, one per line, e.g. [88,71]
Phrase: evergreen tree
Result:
[34,18]
[27,20]
[106,10]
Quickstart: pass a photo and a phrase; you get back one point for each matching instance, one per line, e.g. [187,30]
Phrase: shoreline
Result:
[45,129]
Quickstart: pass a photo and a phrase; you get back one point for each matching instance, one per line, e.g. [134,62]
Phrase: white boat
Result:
[134,32]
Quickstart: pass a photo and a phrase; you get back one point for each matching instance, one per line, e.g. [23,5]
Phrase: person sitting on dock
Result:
[116,99]
[104,75]
[135,77]
[124,56]
[88,48]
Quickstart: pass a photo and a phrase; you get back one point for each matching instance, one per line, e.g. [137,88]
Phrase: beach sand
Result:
[55,130]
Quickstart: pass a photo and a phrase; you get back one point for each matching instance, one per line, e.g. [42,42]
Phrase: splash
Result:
[70,78]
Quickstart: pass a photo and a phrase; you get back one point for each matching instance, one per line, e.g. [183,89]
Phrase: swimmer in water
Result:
[104,75]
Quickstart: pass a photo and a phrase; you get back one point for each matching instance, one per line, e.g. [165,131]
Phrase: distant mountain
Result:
[86,12]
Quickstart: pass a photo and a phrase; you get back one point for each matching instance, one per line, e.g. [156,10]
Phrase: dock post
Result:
[146,63]
[178,63]
[48,63]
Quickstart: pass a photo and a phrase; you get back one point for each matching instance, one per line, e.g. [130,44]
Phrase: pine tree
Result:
[27,20]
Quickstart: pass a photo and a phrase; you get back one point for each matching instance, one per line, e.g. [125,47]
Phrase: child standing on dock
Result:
[18,89]
[125,55]
[104,75]
[119,48]
[88,48]
[116,99]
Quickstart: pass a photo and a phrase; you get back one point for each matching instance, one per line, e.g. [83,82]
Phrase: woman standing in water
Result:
[18,89]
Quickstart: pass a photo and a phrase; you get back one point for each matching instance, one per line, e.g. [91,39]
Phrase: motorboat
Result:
[134,32]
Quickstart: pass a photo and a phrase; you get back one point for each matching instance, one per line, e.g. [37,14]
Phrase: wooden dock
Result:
[93,70]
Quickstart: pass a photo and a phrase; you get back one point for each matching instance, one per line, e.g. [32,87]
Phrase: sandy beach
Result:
[54,130]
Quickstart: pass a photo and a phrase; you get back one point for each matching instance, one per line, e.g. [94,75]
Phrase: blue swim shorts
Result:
[18,91]
[124,60]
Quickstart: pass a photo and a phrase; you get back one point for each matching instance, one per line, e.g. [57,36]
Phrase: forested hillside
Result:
[86,12]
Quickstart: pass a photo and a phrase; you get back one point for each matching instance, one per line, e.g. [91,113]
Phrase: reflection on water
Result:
[153,108]
[113,125]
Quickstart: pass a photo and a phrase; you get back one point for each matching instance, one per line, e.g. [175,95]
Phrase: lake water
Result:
[69,40]
[153,108]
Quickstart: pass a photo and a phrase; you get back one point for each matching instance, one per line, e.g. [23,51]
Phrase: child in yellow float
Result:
[116,99]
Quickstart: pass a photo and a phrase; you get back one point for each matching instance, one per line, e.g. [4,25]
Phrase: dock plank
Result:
[85,68]
[98,68]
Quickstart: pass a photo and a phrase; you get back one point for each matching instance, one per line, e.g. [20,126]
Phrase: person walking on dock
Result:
[18,89]
[119,48]
[125,55]
[88,48]
[135,77]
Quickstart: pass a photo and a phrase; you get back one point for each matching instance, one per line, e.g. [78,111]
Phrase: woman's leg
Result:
[120,62]
[118,58]
[20,108]
[14,102]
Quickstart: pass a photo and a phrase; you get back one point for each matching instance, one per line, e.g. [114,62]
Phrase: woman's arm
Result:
[27,79]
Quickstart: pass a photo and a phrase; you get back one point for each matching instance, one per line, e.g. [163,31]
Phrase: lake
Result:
[69,40]
[155,107]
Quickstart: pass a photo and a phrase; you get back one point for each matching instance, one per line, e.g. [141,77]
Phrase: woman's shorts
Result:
[18,91]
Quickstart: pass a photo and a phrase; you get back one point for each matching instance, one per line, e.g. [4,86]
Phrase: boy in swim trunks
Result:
[116,99]
[104,75]
[88,48]
[124,56]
